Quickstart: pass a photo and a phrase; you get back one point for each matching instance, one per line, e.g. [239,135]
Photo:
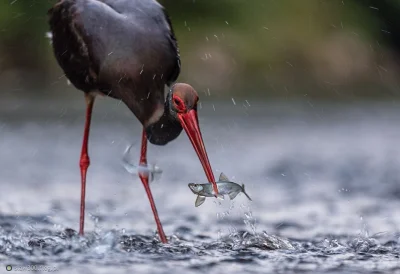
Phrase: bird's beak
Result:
[190,124]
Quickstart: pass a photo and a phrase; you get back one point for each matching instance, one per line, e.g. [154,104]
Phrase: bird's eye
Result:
[177,102]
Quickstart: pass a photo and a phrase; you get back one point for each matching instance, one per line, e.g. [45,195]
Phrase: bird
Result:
[127,50]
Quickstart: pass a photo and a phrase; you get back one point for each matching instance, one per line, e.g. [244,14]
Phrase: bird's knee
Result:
[84,161]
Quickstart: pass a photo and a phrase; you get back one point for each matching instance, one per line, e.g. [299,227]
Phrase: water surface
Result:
[324,180]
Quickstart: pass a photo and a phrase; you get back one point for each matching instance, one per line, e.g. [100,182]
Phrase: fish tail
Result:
[244,192]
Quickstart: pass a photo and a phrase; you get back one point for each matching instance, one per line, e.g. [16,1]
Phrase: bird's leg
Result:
[145,181]
[85,161]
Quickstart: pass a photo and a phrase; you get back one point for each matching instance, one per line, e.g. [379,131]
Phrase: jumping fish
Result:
[151,170]
[225,186]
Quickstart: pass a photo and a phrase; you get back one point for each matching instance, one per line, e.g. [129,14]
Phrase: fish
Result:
[152,171]
[225,187]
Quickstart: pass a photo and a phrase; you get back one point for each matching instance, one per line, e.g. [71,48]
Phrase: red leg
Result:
[145,181]
[85,161]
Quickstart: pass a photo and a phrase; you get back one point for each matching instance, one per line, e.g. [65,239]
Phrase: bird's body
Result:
[126,49]
[97,42]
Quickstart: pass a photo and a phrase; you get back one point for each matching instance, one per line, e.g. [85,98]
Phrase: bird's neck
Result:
[165,129]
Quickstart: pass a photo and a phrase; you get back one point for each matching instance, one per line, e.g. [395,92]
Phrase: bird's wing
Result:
[70,47]
[174,44]
[133,33]
[126,47]
[152,9]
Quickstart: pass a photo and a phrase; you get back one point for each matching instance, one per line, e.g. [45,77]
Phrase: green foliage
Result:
[255,34]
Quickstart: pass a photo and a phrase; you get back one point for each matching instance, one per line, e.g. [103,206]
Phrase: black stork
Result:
[127,50]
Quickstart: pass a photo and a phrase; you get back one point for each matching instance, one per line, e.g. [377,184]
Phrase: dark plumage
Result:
[126,49]
[97,41]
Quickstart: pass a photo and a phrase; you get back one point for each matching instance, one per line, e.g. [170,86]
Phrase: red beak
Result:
[190,124]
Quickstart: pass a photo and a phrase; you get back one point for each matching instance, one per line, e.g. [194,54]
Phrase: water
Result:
[324,180]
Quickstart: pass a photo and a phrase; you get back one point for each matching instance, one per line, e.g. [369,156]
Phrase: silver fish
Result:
[152,171]
[225,186]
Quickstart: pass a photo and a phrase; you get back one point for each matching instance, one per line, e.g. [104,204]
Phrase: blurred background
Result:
[333,50]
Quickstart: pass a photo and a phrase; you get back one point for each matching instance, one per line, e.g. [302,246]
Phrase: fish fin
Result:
[222,177]
[154,172]
[232,195]
[156,176]
[244,192]
[220,196]
[200,200]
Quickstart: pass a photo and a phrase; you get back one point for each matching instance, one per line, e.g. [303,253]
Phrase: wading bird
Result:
[127,50]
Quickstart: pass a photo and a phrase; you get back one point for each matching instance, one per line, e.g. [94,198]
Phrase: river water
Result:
[324,179]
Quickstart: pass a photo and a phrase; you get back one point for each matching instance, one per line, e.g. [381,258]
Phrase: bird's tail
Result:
[244,192]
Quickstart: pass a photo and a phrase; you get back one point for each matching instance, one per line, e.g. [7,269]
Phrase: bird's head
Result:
[183,99]
[183,106]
